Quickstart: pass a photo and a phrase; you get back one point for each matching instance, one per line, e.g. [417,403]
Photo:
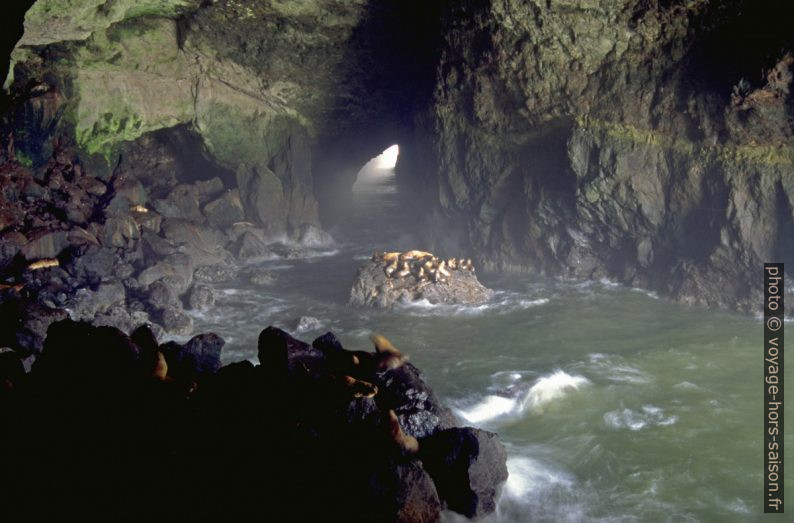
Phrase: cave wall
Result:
[256,81]
[645,141]
[640,140]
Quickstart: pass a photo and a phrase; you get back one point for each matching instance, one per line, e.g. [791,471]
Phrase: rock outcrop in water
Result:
[390,278]
[109,427]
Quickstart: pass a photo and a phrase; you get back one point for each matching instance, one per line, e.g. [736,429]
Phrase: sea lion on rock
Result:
[405,271]
[359,388]
[452,263]
[43,264]
[442,269]
[407,444]
[416,255]
[160,371]
[390,268]
[387,356]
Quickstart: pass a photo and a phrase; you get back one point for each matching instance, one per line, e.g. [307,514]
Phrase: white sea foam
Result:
[489,408]
[527,475]
[647,416]
[502,302]
[549,388]
[517,401]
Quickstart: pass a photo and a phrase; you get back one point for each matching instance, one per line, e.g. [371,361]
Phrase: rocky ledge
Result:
[394,277]
[108,427]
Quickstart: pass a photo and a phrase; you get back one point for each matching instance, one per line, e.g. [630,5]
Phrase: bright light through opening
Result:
[388,158]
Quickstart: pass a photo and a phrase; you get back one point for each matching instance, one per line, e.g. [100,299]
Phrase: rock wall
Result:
[639,140]
[643,141]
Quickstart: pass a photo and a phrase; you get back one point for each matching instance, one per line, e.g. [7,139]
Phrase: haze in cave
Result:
[388,260]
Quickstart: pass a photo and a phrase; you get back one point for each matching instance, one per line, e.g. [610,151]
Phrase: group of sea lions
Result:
[422,265]
[351,369]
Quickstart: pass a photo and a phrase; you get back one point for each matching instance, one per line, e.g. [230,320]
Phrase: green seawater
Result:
[614,405]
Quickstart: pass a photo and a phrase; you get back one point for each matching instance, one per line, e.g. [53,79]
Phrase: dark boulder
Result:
[216,273]
[162,296]
[200,297]
[280,352]
[24,324]
[225,210]
[182,202]
[417,407]
[175,321]
[199,357]
[250,248]
[468,467]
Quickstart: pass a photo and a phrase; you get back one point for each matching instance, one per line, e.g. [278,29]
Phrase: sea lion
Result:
[442,269]
[469,264]
[405,271]
[390,268]
[420,274]
[452,263]
[406,443]
[390,256]
[139,208]
[359,388]
[387,356]
[160,371]
[43,264]
[415,255]
[15,288]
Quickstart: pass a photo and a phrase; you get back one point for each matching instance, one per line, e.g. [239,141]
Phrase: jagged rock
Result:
[120,318]
[11,243]
[408,493]
[162,296]
[280,352]
[200,297]
[175,321]
[120,231]
[289,252]
[148,221]
[225,210]
[126,193]
[178,267]
[203,244]
[24,325]
[372,287]
[86,304]
[250,248]
[199,357]
[216,274]
[208,189]
[94,264]
[156,246]
[307,323]
[259,276]
[182,203]
[45,244]
[420,413]
[468,467]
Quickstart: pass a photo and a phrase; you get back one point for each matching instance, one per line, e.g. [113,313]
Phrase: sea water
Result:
[614,405]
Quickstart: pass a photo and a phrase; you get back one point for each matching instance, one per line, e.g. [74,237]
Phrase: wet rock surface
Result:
[163,432]
[374,286]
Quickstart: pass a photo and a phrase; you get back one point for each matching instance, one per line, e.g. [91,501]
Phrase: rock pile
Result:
[395,277]
[119,250]
[108,426]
